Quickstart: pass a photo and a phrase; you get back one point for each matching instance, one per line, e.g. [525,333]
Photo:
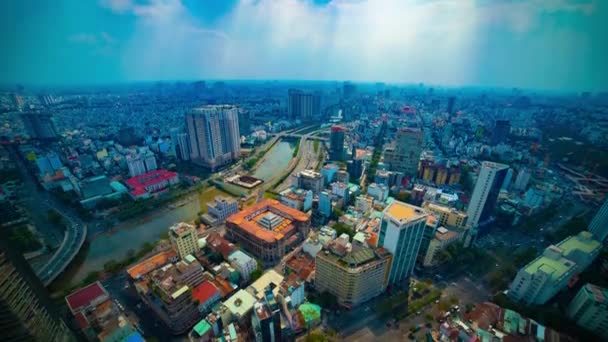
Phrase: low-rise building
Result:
[443,238]
[206,294]
[299,199]
[268,229]
[378,191]
[448,217]
[243,263]
[142,186]
[309,180]
[589,309]
[219,210]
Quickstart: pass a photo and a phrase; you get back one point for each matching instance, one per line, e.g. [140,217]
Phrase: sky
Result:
[534,44]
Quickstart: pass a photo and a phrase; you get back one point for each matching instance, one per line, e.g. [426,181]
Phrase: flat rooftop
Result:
[583,241]
[557,268]
[403,211]
[84,297]
[150,264]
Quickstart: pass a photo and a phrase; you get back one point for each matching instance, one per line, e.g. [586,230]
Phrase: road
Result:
[75,232]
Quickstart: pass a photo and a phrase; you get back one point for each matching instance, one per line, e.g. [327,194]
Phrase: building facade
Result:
[448,217]
[303,105]
[401,234]
[589,309]
[214,135]
[184,239]
[599,224]
[309,180]
[39,125]
[336,143]
[405,155]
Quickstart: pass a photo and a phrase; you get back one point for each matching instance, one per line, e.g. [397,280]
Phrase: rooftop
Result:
[557,268]
[204,291]
[268,278]
[583,241]
[181,228]
[84,297]
[240,303]
[150,178]
[403,211]
[202,327]
[151,263]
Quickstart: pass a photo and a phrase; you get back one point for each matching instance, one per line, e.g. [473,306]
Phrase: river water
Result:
[131,235]
[276,160]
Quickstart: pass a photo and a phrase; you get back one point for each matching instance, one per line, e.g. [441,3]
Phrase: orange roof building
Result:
[267,229]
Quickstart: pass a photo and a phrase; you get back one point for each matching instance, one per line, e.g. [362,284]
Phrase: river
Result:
[275,161]
[128,235]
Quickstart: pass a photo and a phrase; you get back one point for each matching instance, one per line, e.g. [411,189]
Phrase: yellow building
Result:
[448,217]
[442,176]
[184,239]
[354,276]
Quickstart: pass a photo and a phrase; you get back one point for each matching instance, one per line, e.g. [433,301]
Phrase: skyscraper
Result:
[336,143]
[39,125]
[303,105]
[26,310]
[401,234]
[451,102]
[244,122]
[214,135]
[485,195]
[599,224]
[404,156]
[502,128]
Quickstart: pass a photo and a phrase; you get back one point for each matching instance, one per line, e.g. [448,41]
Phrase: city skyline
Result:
[550,45]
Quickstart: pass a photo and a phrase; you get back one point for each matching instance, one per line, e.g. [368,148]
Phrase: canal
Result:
[129,235]
[276,160]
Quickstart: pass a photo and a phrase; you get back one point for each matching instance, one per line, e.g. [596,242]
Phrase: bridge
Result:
[74,238]
[299,136]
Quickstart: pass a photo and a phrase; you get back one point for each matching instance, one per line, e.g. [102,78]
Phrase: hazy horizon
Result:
[553,45]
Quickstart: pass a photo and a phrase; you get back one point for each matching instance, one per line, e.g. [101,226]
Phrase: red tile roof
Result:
[204,291]
[82,298]
[82,321]
[150,178]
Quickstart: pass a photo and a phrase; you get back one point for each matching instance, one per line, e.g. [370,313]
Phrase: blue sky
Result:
[542,44]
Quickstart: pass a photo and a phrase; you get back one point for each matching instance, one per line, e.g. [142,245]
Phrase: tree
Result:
[316,337]
[342,228]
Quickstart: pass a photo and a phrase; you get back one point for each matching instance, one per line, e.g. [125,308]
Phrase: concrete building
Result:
[27,312]
[379,192]
[309,180]
[243,263]
[485,196]
[299,199]
[352,272]
[522,179]
[404,156]
[599,224]
[336,143]
[268,229]
[219,210]
[502,128]
[448,217]
[184,239]
[303,105]
[150,182]
[325,204]
[443,238]
[341,190]
[580,248]
[329,173]
[589,309]
[401,234]
[266,319]
[214,135]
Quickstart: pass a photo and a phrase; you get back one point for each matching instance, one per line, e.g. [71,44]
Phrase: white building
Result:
[378,191]
[522,179]
[219,210]
[401,233]
[243,263]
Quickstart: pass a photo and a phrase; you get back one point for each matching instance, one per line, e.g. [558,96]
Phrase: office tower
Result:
[26,311]
[309,180]
[506,184]
[316,103]
[485,195]
[404,156]
[336,143]
[522,179]
[354,168]
[348,90]
[214,135]
[184,239]
[502,128]
[599,224]
[136,165]
[179,141]
[39,125]
[266,318]
[324,204]
[353,272]
[401,233]
[451,102]
[589,309]
[301,105]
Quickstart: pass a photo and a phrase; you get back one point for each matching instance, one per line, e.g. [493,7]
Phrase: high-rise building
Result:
[336,143]
[266,318]
[140,163]
[302,105]
[244,122]
[39,125]
[589,309]
[25,308]
[184,239]
[522,179]
[599,224]
[324,204]
[348,90]
[401,234]
[214,135]
[451,102]
[485,195]
[354,168]
[352,272]
[502,128]
[309,180]
[506,184]
[404,156]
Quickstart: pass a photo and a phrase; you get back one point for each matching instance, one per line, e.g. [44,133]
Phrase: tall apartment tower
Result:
[401,234]
[184,239]
[303,105]
[336,143]
[214,135]
[599,224]
[39,125]
[485,195]
[26,311]
[405,155]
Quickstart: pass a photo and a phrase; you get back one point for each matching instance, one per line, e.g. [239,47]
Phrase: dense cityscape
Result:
[219,209]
